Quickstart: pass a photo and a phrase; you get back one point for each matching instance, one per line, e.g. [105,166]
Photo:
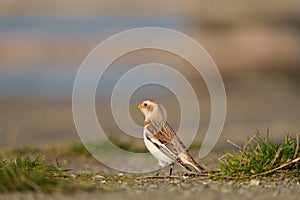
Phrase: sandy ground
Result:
[163,187]
[208,192]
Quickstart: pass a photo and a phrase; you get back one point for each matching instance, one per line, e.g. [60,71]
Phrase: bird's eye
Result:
[145,104]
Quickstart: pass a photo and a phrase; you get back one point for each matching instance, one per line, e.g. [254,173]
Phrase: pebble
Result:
[255,182]
[123,185]
[98,177]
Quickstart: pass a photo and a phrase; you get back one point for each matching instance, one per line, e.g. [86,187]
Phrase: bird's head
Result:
[151,109]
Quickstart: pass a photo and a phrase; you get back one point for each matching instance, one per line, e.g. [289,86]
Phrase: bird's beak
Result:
[140,106]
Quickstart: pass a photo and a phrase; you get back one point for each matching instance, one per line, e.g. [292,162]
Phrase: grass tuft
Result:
[23,173]
[262,156]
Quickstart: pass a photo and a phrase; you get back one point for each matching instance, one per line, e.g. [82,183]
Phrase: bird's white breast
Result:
[160,156]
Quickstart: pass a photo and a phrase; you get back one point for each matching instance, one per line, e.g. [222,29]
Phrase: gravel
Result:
[176,188]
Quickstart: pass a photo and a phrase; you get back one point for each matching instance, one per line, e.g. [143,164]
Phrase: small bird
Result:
[162,141]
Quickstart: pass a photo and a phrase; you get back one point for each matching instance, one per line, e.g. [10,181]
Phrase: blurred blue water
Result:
[37,81]
[80,26]
[58,80]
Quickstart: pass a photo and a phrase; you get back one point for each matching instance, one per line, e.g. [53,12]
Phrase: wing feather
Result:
[164,137]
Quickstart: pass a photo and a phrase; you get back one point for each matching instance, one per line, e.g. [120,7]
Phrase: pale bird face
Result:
[150,109]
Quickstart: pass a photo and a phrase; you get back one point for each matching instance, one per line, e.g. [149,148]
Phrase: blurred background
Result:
[255,44]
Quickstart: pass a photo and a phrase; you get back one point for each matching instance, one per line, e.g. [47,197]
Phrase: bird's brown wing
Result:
[165,138]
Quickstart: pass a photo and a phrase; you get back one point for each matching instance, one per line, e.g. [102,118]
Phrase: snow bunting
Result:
[162,141]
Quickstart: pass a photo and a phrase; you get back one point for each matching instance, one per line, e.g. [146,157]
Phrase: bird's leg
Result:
[160,164]
[171,169]
[158,171]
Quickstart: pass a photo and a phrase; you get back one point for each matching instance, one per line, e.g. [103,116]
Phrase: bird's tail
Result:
[186,161]
[199,168]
